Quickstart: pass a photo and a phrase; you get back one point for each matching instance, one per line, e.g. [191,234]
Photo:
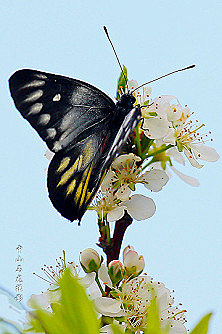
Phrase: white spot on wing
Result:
[51,133]
[44,119]
[34,96]
[57,98]
[34,83]
[66,121]
[57,146]
[40,76]
[35,108]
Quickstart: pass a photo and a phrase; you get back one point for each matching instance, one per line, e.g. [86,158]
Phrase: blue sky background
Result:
[182,242]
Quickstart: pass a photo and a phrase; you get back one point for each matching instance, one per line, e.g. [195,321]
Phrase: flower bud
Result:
[134,264]
[90,260]
[116,271]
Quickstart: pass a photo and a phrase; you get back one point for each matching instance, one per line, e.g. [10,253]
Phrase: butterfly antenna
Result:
[107,34]
[165,75]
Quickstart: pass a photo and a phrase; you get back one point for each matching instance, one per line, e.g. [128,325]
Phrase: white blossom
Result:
[139,207]
[125,173]
[53,275]
[185,135]
[132,303]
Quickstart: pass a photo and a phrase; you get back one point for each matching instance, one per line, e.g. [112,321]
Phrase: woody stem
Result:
[121,225]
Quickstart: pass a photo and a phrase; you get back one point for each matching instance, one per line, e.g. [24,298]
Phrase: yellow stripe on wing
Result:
[84,191]
[78,192]
[71,187]
[64,163]
[66,176]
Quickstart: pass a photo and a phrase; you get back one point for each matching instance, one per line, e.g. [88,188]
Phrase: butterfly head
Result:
[127,101]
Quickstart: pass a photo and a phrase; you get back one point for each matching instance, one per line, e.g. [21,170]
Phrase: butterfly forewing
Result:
[58,108]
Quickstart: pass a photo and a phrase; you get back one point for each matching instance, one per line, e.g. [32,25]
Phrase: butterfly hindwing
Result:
[59,108]
[73,174]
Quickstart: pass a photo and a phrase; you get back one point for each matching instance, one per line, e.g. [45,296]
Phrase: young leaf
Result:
[153,323]
[202,326]
[116,329]
[77,307]
[74,313]
[122,81]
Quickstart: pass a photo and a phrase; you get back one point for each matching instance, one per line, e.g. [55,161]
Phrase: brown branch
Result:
[121,225]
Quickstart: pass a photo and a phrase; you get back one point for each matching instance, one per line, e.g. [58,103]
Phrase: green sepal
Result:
[146,103]
[114,294]
[132,186]
[163,164]
[93,266]
[179,146]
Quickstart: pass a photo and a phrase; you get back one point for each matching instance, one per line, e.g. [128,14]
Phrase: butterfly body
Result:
[81,125]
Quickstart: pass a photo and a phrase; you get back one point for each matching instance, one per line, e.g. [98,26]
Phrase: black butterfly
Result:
[81,125]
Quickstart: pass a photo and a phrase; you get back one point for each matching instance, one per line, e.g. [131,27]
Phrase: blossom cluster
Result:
[165,135]
[118,291]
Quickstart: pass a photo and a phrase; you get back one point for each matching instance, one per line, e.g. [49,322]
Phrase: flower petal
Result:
[176,155]
[124,159]
[191,159]
[116,214]
[204,152]
[170,137]
[132,84]
[88,279]
[162,99]
[174,112]
[106,329]
[140,207]
[104,276]
[108,179]
[109,307]
[44,299]
[155,179]
[155,127]
[123,193]
[186,178]
[176,327]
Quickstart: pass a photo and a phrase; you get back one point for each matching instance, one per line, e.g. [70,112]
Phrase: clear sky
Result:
[182,242]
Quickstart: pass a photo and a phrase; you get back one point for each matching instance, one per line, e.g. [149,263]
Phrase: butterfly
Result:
[81,125]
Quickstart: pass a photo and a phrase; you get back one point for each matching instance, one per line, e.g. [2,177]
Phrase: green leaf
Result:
[77,306]
[122,81]
[74,314]
[202,326]
[153,322]
[116,329]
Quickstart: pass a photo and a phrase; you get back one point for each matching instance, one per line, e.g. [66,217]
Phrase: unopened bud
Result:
[134,264]
[116,271]
[90,260]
